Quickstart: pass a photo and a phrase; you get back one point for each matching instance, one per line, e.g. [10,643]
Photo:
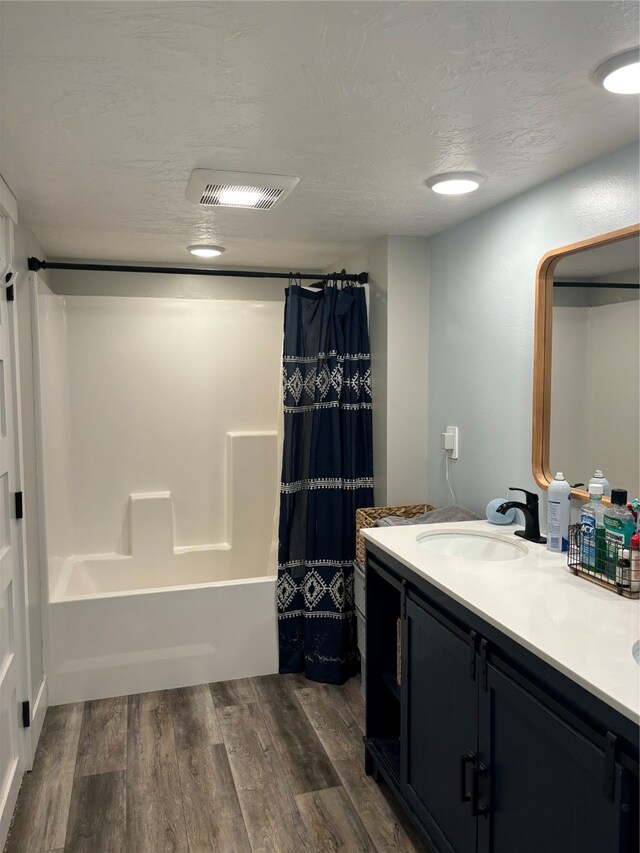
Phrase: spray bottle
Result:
[599,477]
[558,512]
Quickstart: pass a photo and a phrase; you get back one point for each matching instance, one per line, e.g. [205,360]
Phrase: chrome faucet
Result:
[530,511]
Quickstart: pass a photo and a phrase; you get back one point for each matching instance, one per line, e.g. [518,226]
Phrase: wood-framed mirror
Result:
[586,383]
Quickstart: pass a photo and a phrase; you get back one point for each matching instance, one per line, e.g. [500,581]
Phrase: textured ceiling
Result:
[107,107]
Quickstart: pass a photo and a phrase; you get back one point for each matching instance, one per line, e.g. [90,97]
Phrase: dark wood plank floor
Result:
[260,765]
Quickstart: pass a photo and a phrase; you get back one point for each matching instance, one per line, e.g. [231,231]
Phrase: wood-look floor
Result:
[273,763]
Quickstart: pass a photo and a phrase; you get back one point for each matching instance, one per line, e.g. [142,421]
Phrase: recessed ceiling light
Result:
[621,73]
[206,251]
[455,183]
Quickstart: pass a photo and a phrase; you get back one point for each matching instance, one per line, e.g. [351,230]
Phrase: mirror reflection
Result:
[595,369]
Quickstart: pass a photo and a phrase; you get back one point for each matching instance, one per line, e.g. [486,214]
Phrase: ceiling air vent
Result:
[238,189]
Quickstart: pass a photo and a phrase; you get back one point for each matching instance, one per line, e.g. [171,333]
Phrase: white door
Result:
[12,660]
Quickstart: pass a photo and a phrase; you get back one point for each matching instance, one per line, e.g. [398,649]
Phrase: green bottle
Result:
[619,527]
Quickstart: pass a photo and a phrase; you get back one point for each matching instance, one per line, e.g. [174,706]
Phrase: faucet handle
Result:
[532,497]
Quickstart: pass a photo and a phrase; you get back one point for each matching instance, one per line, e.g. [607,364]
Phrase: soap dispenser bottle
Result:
[558,513]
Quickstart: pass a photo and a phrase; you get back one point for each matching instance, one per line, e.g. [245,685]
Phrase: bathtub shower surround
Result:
[154,560]
[159,464]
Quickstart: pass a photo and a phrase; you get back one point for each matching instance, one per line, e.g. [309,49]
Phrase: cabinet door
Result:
[439,728]
[545,783]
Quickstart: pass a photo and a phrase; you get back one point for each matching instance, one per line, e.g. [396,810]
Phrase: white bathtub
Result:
[110,635]
[162,615]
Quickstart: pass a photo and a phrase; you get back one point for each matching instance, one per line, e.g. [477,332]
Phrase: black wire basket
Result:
[600,562]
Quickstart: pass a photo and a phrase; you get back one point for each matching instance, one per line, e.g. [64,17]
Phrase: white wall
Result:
[481,320]
[84,283]
[407,374]
[154,385]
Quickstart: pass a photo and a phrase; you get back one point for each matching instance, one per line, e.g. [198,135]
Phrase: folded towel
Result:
[437,516]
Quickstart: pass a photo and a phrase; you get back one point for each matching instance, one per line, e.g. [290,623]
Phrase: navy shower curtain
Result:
[327,473]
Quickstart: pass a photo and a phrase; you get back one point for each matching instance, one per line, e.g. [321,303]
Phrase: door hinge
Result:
[9,286]
[19,509]
[483,664]
[403,602]
[610,765]
[26,714]
[472,654]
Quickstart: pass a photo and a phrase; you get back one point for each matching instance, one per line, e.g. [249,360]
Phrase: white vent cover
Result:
[238,189]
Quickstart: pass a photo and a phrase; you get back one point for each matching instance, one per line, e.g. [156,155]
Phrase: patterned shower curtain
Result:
[327,473]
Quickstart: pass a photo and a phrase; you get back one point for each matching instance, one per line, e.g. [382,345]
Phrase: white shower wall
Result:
[53,408]
[153,387]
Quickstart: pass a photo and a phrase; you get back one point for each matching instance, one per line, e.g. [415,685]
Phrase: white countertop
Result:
[582,630]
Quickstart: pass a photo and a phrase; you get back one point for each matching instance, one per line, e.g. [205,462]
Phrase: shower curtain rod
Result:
[361,278]
[619,286]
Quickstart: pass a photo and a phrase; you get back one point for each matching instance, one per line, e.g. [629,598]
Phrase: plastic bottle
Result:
[599,477]
[635,563]
[619,527]
[558,512]
[623,569]
[592,530]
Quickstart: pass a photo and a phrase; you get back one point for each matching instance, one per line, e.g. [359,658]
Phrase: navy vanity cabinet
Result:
[440,727]
[543,790]
[487,747]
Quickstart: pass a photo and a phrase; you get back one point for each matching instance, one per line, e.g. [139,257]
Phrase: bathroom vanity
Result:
[502,693]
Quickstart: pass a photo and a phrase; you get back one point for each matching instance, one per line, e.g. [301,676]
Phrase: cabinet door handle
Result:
[472,654]
[484,678]
[467,757]
[478,807]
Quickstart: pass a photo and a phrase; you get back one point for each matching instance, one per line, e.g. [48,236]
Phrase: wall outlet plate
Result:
[450,441]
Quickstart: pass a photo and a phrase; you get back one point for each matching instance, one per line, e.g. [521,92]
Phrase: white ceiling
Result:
[107,107]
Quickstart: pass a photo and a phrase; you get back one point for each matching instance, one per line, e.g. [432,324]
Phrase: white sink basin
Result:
[469,545]
[635,651]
